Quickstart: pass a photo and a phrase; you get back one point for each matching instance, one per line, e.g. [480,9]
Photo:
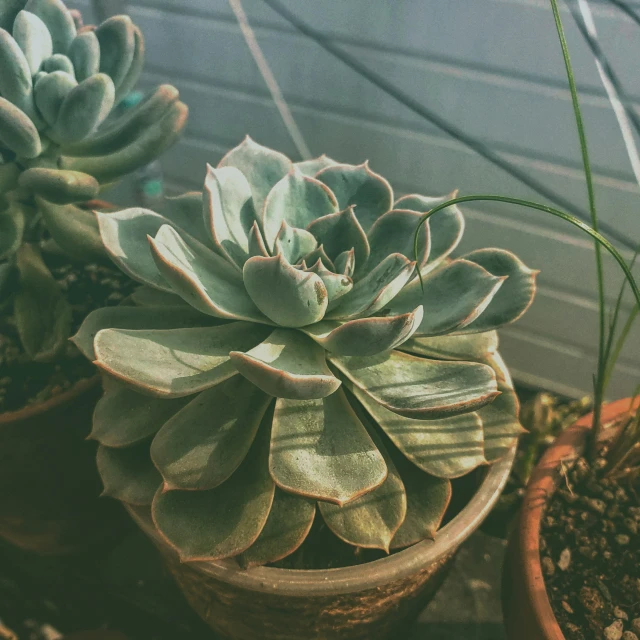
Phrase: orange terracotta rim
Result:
[544,481]
[69,395]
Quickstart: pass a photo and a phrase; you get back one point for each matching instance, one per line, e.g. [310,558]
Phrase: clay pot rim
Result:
[543,483]
[328,582]
[77,389]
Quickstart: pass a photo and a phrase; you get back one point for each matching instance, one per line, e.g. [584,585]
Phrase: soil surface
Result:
[24,382]
[590,554]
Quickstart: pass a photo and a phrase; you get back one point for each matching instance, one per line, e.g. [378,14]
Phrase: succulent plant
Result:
[282,358]
[58,85]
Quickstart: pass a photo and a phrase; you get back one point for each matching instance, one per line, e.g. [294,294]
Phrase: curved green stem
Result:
[602,356]
[601,240]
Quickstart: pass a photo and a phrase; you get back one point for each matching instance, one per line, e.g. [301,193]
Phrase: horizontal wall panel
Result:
[515,37]
[507,113]
[551,365]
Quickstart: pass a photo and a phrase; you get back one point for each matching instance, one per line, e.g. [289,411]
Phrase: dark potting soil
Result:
[24,382]
[590,554]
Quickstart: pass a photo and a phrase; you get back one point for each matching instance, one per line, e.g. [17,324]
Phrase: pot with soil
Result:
[571,570]
[53,269]
[286,405]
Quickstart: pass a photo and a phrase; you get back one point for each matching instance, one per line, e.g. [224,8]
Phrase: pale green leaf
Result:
[174,362]
[320,449]
[205,442]
[287,365]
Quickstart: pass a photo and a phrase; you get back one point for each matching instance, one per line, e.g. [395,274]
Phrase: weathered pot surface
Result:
[373,601]
[528,614]
[49,485]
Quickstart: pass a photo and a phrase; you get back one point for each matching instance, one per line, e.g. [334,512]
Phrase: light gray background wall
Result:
[493,67]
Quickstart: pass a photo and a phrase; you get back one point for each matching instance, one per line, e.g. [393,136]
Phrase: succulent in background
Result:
[58,86]
[283,359]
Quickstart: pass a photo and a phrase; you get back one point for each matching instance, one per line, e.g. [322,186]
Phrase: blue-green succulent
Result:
[282,361]
[59,146]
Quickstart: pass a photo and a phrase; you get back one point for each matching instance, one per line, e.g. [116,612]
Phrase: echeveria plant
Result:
[283,358]
[58,85]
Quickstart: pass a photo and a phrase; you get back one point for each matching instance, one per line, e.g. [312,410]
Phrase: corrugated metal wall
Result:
[492,67]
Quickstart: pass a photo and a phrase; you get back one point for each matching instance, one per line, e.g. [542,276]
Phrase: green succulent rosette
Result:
[283,359]
[58,86]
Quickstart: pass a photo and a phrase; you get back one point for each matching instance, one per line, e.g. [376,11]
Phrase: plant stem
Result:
[539,207]
[600,375]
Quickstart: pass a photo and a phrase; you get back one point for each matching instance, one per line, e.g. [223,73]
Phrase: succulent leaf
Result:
[371,520]
[185,212]
[42,313]
[135,68]
[217,523]
[337,285]
[9,9]
[17,131]
[149,144]
[58,62]
[60,187]
[261,166]
[446,227]
[50,92]
[345,262]
[126,317]
[287,296]
[320,449]
[366,336]
[287,365]
[500,424]
[205,442]
[515,295]
[84,53]
[12,223]
[453,297]
[358,186]
[444,447]
[419,388]
[116,36]
[74,229]
[128,474]
[393,233]
[297,200]
[318,254]
[375,290]
[340,232]
[312,167]
[427,500]
[15,80]
[85,108]
[149,297]
[124,235]
[293,243]
[287,526]
[124,417]
[34,39]
[229,208]
[173,363]
[257,247]
[472,346]
[201,277]
[58,21]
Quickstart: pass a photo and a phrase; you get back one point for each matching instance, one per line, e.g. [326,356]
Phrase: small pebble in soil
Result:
[614,631]
[547,566]
[565,560]
[620,614]
[629,635]
[635,625]
[566,606]
[622,539]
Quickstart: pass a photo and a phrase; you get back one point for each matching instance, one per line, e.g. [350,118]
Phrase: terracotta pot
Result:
[49,485]
[372,601]
[527,611]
